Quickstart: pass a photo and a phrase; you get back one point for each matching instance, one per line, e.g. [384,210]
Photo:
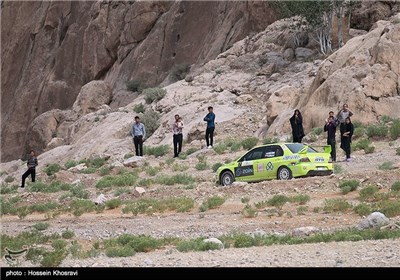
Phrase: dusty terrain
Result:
[228,218]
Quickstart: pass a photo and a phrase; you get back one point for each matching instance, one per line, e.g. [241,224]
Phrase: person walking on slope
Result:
[210,119]
[296,122]
[32,163]
[138,133]
[330,127]
[177,135]
[348,131]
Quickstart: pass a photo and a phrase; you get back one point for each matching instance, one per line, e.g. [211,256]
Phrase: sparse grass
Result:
[191,151]
[153,94]
[179,167]
[317,209]
[201,165]
[212,203]
[361,144]
[113,203]
[278,200]
[67,234]
[337,168]
[261,204]
[245,199]
[44,207]
[398,151]
[389,207]
[54,187]
[59,244]
[4,189]
[80,206]
[9,179]
[152,171]
[336,205]
[368,193]
[300,199]
[180,178]
[96,162]
[139,108]
[348,186]
[157,151]
[395,129]
[387,165]
[220,148]
[138,243]
[121,180]
[105,170]
[358,132]
[369,149]
[301,210]
[150,206]
[249,212]
[52,169]
[151,119]
[128,155]
[70,164]
[123,190]
[377,131]
[249,143]
[41,226]
[216,166]
[53,259]
[7,207]
[236,146]
[196,245]
[362,209]
[145,182]
[395,187]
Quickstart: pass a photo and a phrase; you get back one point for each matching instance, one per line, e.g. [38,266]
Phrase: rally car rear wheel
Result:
[284,173]
[227,178]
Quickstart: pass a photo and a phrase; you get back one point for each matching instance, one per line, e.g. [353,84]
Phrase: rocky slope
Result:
[50,53]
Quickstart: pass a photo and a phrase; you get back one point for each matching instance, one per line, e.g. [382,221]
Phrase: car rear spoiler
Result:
[327,149]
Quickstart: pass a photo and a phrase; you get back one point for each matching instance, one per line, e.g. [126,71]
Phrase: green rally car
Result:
[280,160]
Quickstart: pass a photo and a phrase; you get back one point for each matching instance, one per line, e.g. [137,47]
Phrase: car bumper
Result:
[312,170]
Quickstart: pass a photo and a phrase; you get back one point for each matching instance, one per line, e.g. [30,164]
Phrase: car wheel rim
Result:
[227,180]
[284,174]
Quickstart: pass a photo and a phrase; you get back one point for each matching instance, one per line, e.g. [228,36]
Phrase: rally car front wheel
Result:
[227,178]
[284,173]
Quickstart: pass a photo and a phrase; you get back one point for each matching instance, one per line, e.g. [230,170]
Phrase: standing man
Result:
[178,137]
[138,133]
[210,119]
[330,127]
[32,163]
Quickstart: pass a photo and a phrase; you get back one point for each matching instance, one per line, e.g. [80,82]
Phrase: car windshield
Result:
[296,147]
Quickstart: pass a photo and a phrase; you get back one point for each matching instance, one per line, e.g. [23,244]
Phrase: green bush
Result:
[180,178]
[358,132]
[385,119]
[191,151]
[216,166]
[105,170]
[387,165]
[317,130]
[278,200]
[398,151]
[134,86]
[212,202]
[121,180]
[151,120]
[119,251]
[368,193]
[362,209]
[70,164]
[41,226]
[4,189]
[80,206]
[139,108]
[52,168]
[196,245]
[336,205]
[348,186]
[249,143]
[301,210]
[96,162]
[67,234]
[157,151]
[389,208]
[377,131]
[300,199]
[362,144]
[53,259]
[220,148]
[44,207]
[395,129]
[337,168]
[178,72]
[201,165]
[153,94]
[113,203]
[369,149]
[236,146]
[9,179]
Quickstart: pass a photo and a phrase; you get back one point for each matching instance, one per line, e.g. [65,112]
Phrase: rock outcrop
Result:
[50,50]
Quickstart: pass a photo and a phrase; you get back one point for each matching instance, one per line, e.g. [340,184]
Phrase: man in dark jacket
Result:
[32,163]
[330,127]
[210,119]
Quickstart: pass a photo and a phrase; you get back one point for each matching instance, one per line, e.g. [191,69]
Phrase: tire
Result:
[284,173]
[227,178]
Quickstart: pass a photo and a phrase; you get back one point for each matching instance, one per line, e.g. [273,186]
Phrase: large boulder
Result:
[91,97]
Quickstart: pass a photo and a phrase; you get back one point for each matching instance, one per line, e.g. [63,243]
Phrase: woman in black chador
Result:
[296,121]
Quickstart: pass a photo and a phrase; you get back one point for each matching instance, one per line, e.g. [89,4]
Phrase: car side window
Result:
[257,153]
[273,151]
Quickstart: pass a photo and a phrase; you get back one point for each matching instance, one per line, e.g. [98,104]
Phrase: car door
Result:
[249,164]
[272,160]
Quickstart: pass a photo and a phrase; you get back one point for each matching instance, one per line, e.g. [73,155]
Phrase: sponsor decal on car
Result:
[269,166]
[291,157]
[244,171]
[319,159]
[260,167]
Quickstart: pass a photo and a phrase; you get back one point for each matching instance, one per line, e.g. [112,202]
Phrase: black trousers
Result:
[30,171]
[210,136]
[332,142]
[178,139]
[138,141]
[345,145]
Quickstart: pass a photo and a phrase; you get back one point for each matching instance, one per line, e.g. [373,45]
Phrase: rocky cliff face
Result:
[51,49]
